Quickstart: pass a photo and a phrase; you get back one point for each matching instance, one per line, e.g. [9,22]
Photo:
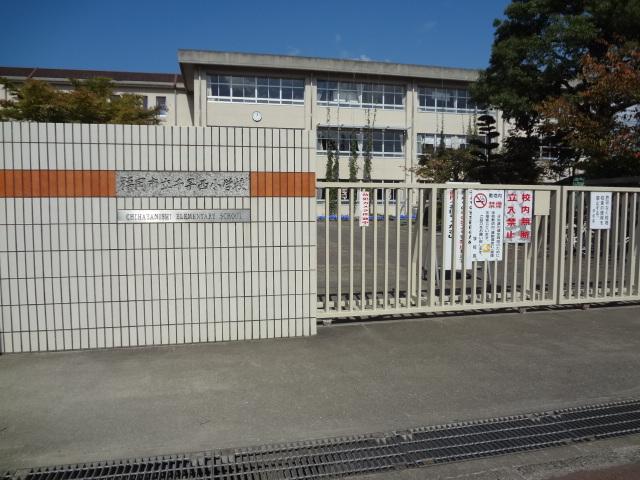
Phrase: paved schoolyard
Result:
[354,378]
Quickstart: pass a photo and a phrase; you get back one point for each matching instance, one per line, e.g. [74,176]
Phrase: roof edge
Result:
[291,62]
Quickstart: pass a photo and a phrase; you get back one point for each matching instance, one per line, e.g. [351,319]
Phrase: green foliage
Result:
[443,165]
[536,76]
[538,46]
[332,174]
[89,101]
[353,161]
[367,146]
[601,122]
[483,165]
[518,161]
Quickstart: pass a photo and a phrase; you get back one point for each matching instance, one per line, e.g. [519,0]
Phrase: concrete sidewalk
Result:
[81,406]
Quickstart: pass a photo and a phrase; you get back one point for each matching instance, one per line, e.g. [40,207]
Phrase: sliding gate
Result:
[601,243]
[406,260]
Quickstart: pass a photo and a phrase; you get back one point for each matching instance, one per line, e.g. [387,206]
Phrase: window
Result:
[161,103]
[361,95]
[384,143]
[230,88]
[145,102]
[428,142]
[454,100]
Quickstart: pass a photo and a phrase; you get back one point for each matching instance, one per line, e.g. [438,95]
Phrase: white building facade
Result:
[404,108]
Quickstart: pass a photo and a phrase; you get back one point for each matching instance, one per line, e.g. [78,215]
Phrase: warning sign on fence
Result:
[485,224]
[363,201]
[518,216]
[600,212]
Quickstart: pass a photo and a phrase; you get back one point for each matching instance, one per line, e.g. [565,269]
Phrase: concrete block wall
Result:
[73,277]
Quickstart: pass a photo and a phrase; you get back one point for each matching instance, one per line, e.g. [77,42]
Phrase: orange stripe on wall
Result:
[57,183]
[283,184]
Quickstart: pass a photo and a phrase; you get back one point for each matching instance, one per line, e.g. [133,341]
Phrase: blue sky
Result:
[145,35]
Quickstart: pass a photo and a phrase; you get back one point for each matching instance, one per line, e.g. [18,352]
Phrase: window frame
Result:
[385,90]
[322,137]
[163,107]
[436,139]
[442,96]
[292,85]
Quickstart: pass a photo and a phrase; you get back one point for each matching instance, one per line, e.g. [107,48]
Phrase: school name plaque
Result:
[183,216]
[182,184]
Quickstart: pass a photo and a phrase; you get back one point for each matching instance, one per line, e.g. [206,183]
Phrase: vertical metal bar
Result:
[581,232]
[605,263]
[352,212]
[545,233]
[339,252]
[465,233]
[589,232]
[623,242]
[433,218]
[397,292]
[327,193]
[420,227]
[444,237]
[632,243]
[374,290]
[572,252]
[597,254]
[614,273]
[505,271]
[485,268]
[454,248]
[514,286]
[385,292]
[363,245]
[557,242]
[525,271]
[535,243]
[409,246]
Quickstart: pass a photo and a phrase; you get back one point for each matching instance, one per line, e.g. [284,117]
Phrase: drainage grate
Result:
[343,456]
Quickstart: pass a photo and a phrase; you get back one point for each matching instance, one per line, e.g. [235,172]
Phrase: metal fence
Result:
[600,264]
[401,264]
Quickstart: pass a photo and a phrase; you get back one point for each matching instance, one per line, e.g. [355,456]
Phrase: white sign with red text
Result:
[363,201]
[485,224]
[518,216]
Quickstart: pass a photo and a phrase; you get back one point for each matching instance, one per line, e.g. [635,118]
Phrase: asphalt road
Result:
[355,378]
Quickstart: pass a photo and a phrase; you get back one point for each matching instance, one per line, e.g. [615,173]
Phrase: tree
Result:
[538,48]
[483,167]
[537,57]
[518,161]
[367,146]
[601,121]
[332,174]
[353,159]
[89,101]
[443,164]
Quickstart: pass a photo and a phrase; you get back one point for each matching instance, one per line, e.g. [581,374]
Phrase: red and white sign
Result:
[363,202]
[518,216]
[485,224]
